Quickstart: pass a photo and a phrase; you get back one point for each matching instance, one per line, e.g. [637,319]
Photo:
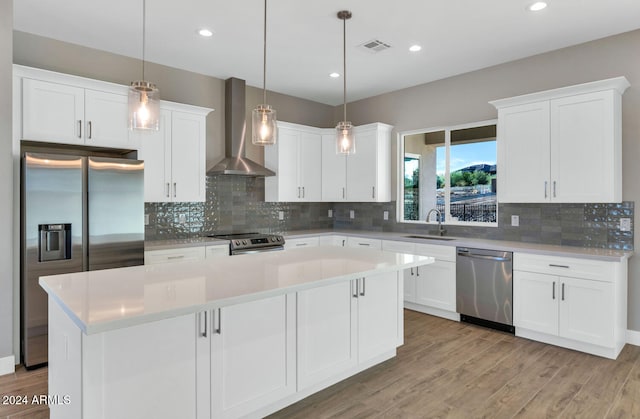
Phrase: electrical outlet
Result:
[385,215]
[182,218]
[515,221]
[280,215]
[330,214]
[625,224]
[146,219]
[352,214]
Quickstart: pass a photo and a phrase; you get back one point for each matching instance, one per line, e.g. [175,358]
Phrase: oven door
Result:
[258,250]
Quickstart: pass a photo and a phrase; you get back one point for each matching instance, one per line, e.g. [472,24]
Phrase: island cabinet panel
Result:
[253,355]
[327,339]
[143,371]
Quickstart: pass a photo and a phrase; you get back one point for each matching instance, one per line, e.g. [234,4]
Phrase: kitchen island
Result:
[229,337]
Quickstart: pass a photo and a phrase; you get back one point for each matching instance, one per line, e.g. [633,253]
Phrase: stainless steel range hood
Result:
[235,162]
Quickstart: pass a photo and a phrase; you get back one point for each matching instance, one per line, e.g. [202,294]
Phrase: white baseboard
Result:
[633,337]
[7,365]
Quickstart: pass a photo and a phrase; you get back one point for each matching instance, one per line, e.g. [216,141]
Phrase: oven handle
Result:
[260,250]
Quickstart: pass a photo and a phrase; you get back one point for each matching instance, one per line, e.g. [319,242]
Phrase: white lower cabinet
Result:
[301,242]
[215,251]
[253,355]
[571,302]
[333,240]
[364,242]
[180,254]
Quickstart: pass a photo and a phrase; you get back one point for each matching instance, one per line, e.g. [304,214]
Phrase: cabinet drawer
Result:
[400,247]
[364,242]
[174,255]
[302,242]
[217,251]
[439,252]
[563,266]
[338,241]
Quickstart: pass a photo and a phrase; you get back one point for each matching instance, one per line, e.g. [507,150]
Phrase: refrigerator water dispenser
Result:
[55,242]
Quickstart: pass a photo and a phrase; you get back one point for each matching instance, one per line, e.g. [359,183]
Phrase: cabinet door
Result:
[188,161]
[587,311]
[252,356]
[334,171]
[106,123]
[523,153]
[283,159]
[155,150]
[327,342]
[152,257]
[409,277]
[217,251]
[378,311]
[364,242]
[143,371]
[52,112]
[301,243]
[436,285]
[535,302]
[362,169]
[582,141]
[309,167]
[339,241]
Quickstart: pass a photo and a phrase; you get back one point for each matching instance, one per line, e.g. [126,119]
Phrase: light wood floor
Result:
[455,370]
[449,369]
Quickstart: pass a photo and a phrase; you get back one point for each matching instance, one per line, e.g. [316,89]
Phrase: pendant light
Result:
[345,140]
[144,97]
[263,118]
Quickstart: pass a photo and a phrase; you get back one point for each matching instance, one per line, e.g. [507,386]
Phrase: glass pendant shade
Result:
[345,140]
[264,126]
[144,106]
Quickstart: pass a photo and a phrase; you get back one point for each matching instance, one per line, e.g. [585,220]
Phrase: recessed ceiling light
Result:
[205,32]
[537,6]
[334,75]
[415,48]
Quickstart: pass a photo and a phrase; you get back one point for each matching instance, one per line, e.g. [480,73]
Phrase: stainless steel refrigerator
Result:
[78,213]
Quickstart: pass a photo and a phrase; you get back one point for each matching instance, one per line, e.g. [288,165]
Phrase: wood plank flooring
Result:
[453,370]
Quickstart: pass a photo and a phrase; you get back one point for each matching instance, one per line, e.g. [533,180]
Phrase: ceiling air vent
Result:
[374,46]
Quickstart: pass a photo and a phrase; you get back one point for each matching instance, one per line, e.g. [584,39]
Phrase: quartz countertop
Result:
[99,301]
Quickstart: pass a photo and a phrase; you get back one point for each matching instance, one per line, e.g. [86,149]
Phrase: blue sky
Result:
[463,155]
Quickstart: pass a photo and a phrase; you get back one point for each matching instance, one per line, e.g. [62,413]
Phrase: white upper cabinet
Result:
[63,113]
[364,176]
[296,160]
[175,157]
[549,141]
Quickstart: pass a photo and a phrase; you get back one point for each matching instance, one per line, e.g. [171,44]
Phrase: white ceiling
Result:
[305,37]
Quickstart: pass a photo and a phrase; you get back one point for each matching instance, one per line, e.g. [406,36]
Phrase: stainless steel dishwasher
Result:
[484,287]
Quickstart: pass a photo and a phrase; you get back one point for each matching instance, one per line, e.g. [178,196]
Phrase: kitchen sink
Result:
[411,236]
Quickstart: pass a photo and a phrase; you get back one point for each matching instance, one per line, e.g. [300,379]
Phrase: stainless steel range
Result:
[245,243]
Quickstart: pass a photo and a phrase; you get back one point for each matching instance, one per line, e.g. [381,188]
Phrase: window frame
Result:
[447,187]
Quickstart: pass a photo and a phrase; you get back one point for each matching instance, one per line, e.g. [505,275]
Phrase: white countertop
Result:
[99,301]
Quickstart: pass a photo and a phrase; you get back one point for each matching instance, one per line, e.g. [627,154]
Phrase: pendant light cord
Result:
[264,57]
[144,15]
[344,65]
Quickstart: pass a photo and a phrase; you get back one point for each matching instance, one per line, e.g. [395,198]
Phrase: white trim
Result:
[7,365]
[633,337]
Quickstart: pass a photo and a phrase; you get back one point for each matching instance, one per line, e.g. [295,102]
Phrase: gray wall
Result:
[464,98]
[6,178]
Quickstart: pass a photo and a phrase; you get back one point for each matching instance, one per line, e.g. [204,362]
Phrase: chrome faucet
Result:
[441,230]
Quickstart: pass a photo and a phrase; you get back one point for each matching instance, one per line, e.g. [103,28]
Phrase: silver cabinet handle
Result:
[79,128]
[545,189]
[411,271]
[343,193]
[563,291]
[354,283]
[363,287]
[417,271]
[553,291]
[303,191]
[175,189]
[364,244]
[298,191]
[343,242]
[373,192]
[301,244]
[168,193]
[89,130]
[553,265]
[217,328]
[554,188]
[204,332]
[175,257]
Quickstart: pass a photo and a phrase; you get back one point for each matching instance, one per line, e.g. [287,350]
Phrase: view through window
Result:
[452,170]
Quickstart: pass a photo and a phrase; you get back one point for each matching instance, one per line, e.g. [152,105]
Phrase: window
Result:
[450,169]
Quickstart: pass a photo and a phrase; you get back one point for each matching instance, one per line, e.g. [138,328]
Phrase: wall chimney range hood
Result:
[235,128]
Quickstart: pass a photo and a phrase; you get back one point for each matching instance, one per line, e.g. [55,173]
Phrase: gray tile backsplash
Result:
[236,204]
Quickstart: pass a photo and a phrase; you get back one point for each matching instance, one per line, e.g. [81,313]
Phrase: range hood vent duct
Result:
[235,129]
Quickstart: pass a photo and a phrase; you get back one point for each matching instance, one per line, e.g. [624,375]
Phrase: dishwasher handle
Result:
[468,254]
